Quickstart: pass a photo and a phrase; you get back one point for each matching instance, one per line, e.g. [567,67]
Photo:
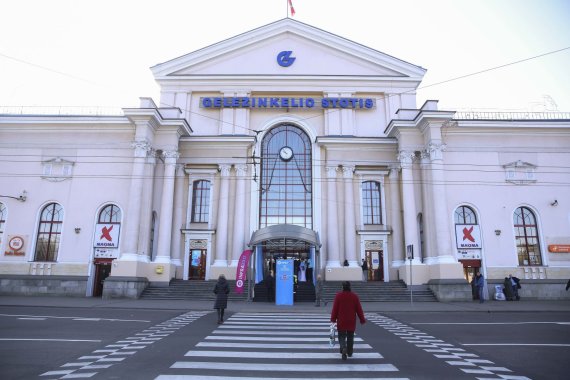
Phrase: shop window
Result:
[371,204]
[49,233]
[200,201]
[526,237]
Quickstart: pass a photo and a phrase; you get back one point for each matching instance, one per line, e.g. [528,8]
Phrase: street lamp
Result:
[21,198]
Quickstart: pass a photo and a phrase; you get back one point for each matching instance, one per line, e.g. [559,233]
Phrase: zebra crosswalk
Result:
[277,346]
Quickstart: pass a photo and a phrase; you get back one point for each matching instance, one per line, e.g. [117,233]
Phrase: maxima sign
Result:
[468,236]
[287,102]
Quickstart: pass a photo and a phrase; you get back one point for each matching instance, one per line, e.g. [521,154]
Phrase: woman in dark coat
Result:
[346,308]
[222,289]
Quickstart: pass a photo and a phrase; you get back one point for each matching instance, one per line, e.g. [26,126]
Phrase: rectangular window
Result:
[201,201]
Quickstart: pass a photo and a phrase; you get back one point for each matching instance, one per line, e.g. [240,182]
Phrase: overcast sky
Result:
[98,53]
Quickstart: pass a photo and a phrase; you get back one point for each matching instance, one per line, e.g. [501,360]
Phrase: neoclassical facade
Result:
[292,142]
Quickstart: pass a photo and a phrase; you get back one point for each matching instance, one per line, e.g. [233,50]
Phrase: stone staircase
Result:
[376,291]
[372,291]
[194,290]
[304,292]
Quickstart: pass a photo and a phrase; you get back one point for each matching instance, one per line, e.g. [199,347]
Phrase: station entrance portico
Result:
[291,242]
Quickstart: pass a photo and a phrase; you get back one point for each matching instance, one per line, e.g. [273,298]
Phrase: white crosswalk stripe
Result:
[277,346]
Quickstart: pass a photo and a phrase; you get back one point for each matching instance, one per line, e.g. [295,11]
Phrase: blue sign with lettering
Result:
[284,58]
[284,282]
[287,102]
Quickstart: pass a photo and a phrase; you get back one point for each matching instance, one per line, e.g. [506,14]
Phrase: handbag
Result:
[332,334]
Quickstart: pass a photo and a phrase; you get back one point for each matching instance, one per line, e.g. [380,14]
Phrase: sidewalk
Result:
[306,307]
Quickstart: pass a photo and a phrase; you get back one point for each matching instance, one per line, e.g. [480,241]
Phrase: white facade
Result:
[423,165]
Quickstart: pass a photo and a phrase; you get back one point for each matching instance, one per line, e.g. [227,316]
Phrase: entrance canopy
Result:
[285,235]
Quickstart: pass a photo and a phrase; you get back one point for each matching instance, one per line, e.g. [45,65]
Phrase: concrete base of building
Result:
[349,273]
[447,290]
[536,289]
[40,285]
[124,287]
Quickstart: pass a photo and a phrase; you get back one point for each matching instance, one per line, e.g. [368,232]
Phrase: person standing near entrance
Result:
[222,289]
[480,285]
[270,287]
[346,308]
[364,270]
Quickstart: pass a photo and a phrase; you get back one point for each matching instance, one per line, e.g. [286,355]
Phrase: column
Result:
[178,218]
[349,218]
[333,258]
[221,259]
[133,215]
[239,214]
[440,217]
[395,211]
[427,207]
[409,201]
[166,207]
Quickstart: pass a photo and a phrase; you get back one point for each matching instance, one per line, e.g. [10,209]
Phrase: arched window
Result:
[3,215]
[110,214]
[201,201]
[465,215]
[526,236]
[49,233]
[286,178]
[371,204]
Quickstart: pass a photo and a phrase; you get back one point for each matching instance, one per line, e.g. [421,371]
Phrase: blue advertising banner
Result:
[284,282]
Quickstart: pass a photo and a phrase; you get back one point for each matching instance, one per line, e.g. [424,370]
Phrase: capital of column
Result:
[347,171]
[394,171]
[225,170]
[406,158]
[424,157]
[142,148]
[435,150]
[170,156]
[241,170]
[331,171]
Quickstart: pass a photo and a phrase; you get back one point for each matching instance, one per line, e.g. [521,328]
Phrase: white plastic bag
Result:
[332,335]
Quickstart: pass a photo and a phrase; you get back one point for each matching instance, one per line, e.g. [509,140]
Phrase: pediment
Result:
[316,53]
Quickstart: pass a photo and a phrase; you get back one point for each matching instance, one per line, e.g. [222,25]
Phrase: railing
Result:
[60,111]
[484,115]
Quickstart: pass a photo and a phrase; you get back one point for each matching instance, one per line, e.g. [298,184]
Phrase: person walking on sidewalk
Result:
[346,308]
[319,291]
[222,289]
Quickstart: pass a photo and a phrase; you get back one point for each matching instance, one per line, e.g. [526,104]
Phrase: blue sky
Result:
[98,53]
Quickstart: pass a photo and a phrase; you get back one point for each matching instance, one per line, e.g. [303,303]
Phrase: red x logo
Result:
[106,233]
[467,234]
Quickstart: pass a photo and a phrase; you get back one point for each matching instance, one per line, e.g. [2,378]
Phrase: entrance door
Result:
[375,261]
[197,267]
[102,271]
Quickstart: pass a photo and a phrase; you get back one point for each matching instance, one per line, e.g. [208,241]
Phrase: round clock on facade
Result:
[286,153]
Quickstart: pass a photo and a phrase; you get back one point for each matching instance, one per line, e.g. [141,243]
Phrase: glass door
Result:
[197,267]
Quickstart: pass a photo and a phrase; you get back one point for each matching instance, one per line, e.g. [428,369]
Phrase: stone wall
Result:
[35,285]
[537,290]
[451,290]
[124,287]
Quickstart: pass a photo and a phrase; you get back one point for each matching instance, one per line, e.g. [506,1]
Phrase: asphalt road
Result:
[57,343]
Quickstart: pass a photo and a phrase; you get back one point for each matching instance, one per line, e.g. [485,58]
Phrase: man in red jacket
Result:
[345,309]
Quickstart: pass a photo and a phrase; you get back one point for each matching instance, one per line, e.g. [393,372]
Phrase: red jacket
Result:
[345,309]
